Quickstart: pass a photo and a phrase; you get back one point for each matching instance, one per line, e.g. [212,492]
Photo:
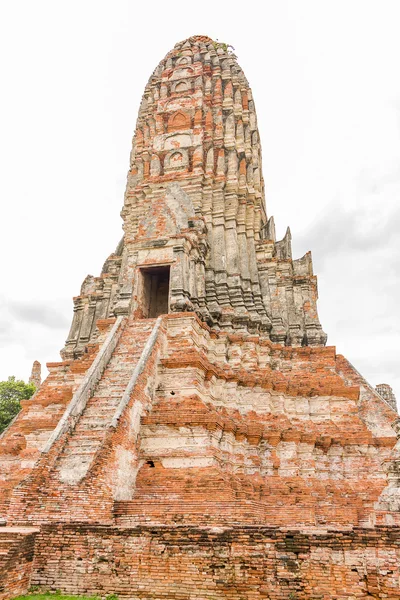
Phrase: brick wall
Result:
[16,558]
[237,563]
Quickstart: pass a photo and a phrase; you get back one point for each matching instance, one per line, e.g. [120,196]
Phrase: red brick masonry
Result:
[237,563]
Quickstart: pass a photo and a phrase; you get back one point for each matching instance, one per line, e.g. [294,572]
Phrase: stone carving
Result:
[197,128]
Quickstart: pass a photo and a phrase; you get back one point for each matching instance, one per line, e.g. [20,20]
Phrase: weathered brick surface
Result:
[195,201]
[240,562]
[47,493]
[21,444]
[217,445]
[36,374]
[220,450]
[17,547]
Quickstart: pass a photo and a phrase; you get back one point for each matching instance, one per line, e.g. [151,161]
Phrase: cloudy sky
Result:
[325,77]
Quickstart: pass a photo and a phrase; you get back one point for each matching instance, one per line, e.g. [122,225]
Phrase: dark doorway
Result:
[155,291]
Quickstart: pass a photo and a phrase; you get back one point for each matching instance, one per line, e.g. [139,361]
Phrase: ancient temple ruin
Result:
[199,439]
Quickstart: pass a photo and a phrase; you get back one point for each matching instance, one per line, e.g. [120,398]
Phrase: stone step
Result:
[103,401]
[92,419]
[117,380]
[75,460]
[121,364]
[89,451]
[99,410]
[95,416]
[102,409]
[109,391]
[84,441]
[118,384]
[80,456]
[89,432]
[106,393]
[92,426]
[127,350]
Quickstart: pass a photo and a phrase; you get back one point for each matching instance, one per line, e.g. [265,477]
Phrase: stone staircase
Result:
[88,434]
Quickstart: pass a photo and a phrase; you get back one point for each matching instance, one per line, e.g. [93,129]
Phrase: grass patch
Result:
[49,596]
[36,593]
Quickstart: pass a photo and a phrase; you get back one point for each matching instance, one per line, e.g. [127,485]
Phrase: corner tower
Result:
[197,237]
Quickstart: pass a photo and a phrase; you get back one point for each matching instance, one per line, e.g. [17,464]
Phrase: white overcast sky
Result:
[325,77]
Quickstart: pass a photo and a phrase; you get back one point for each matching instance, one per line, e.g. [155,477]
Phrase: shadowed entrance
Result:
[155,291]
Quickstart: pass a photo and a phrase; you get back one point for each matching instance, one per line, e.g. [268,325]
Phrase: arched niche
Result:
[183,60]
[179,87]
[176,160]
[178,121]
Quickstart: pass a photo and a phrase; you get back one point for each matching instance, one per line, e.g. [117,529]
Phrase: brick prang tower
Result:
[195,201]
[198,439]
[387,393]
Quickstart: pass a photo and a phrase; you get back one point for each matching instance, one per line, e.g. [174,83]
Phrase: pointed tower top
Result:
[196,234]
[195,40]
[36,374]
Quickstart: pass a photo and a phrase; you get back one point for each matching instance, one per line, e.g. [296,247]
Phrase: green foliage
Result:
[12,392]
[225,47]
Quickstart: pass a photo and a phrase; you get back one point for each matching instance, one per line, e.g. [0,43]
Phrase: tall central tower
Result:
[198,439]
[197,237]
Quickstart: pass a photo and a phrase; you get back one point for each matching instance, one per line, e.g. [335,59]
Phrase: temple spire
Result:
[195,204]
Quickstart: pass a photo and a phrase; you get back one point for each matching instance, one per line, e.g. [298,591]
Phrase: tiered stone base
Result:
[206,466]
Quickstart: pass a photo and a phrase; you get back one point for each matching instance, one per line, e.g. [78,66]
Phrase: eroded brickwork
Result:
[17,547]
[22,443]
[36,374]
[199,440]
[387,393]
[244,562]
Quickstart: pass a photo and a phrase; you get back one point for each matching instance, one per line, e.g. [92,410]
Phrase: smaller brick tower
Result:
[36,374]
[387,393]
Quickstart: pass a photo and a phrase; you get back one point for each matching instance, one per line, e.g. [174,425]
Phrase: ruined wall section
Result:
[16,560]
[97,299]
[22,442]
[387,394]
[257,433]
[254,563]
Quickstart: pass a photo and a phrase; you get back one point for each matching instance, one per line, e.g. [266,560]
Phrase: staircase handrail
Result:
[80,398]
[136,372]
